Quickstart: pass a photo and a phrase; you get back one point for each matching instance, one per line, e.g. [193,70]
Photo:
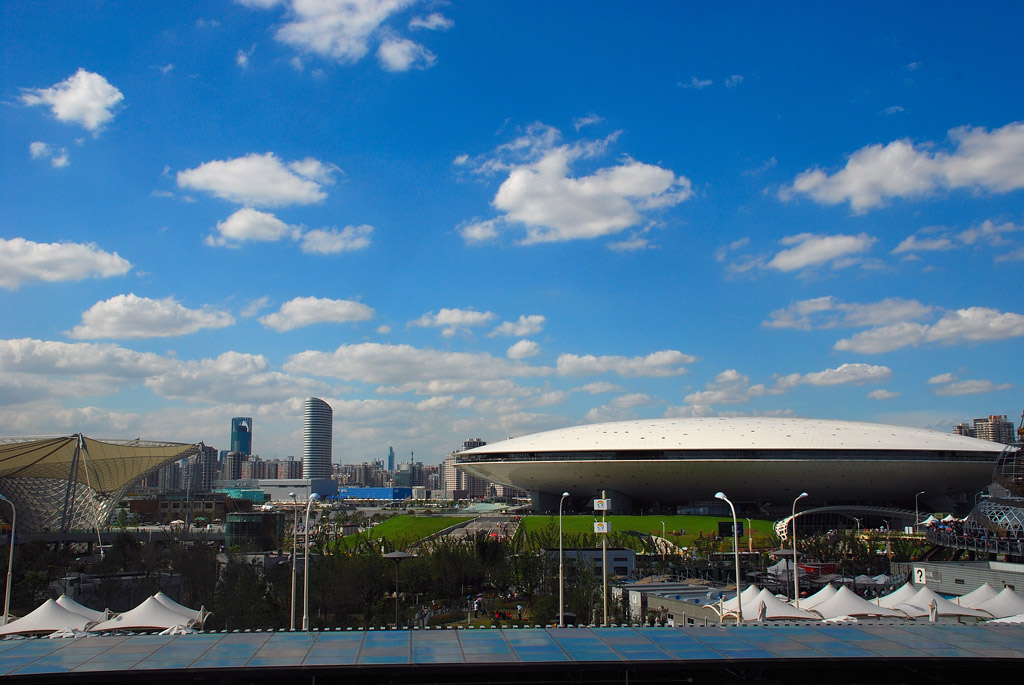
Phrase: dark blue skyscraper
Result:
[241,435]
[391,459]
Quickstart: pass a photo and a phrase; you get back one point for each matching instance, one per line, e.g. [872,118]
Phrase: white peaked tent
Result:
[972,599]
[905,592]
[150,615]
[1005,603]
[929,521]
[1019,618]
[782,568]
[881,579]
[845,602]
[197,615]
[818,597]
[91,614]
[767,607]
[864,579]
[728,605]
[49,617]
[920,605]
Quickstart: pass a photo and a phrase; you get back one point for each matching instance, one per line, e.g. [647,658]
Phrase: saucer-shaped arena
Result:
[754,460]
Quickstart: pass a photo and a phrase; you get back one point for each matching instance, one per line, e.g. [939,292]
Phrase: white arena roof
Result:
[753,459]
[736,433]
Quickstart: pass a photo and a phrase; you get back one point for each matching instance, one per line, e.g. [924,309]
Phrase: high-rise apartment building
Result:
[317,440]
[460,484]
[241,435]
[995,428]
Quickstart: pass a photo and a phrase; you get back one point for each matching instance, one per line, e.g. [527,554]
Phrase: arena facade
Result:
[760,463]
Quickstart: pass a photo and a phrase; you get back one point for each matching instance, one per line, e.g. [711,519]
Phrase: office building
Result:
[241,435]
[317,440]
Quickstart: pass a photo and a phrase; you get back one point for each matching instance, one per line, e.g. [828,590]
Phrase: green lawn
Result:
[405,529]
[680,530]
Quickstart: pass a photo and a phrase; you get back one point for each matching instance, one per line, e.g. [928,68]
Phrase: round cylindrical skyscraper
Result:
[318,420]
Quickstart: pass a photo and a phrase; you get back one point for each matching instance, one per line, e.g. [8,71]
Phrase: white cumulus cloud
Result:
[130,316]
[340,30]
[830,312]
[970,387]
[84,98]
[526,325]
[402,54]
[545,198]
[523,349]
[434,21]
[969,325]
[251,224]
[991,161]
[657,364]
[58,157]
[24,261]
[305,311]
[453,320]
[333,241]
[810,250]
[439,371]
[258,180]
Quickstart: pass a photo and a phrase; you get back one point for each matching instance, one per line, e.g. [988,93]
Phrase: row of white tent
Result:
[64,617]
[781,571]
[832,604]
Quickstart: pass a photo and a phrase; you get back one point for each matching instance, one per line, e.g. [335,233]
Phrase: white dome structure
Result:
[752,459]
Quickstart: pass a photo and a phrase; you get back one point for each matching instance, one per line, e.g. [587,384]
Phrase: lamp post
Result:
[796,569]
[305,565]
[397,557]
[917,514]
[663,541]
[561,566]
[736,555]
[10,562]
[295,535]
[750,537]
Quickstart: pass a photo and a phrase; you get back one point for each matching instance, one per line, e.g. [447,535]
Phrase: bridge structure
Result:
[851,510]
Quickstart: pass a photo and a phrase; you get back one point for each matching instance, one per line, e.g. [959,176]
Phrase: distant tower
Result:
[391,459]
[241,435]
[318,420]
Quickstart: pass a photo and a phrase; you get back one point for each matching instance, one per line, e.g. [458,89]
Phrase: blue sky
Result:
[485,219]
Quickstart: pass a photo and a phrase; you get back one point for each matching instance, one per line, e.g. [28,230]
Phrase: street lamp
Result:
[561,567]
[295,534]
[397,557]
[917,514]
[663,541]
[796,569]
[736,555]
[10,562]
[750,537]
[305,565]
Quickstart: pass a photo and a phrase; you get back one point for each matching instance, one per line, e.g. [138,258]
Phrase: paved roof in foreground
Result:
[139,656]
[730,433]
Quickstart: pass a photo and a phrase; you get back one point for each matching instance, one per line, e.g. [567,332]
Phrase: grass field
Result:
[405,529]
[680,530]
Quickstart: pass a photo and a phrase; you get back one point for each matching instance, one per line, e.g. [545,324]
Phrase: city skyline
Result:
[458,219]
